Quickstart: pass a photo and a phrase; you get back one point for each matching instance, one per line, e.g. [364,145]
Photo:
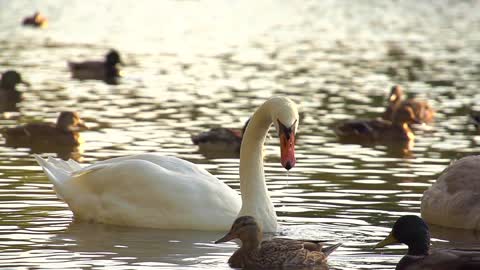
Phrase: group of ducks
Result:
[171,193]
[151,190]
[394,127]
[65,133]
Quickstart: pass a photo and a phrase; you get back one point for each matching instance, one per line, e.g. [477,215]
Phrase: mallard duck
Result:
[423,112]
[63,133]
[274,253]
[157,191]
[453,200]
[220,142]
[107,70]
[9,96]
[378,130]
[413,232]
[36,20]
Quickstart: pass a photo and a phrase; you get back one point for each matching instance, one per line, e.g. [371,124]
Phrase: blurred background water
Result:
[193,65]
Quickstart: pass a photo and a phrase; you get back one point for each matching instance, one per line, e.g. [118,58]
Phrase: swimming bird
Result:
[423,111]
[152,190]
[107,70]
[36,20]
[453,200]
[9,95]
[413,231]
[378,130]
[475,119]
[279,252]
[220,142]
[63,133]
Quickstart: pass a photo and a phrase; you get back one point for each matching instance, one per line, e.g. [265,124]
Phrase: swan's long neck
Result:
[255,199]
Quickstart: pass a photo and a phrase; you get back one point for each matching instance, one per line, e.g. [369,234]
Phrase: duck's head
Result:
[10,79]
[409,230]
[396,94]
[244,228]
[113,58]
[285,121]
[70,121]
[40,20]
[405,114]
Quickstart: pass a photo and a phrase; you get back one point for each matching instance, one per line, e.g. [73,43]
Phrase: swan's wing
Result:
[89,169]
[139,192]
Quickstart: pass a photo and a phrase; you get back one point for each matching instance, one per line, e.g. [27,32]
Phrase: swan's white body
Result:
[151,190]
[454,199]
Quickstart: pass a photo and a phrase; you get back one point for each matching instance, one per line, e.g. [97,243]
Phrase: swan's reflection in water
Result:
[143,245]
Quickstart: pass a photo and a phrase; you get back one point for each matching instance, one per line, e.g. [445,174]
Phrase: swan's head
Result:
[285,120]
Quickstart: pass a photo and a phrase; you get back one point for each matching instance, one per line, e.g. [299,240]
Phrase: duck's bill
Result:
[80,126]
[390,239]
[229,236]
[25,83]
[287,150]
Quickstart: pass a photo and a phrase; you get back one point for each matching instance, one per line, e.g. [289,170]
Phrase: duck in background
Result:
[220,142]
[106,71]
[275,253]
[372,131]
[413,231]
[423,111]
[47,135]
[452,201]
[475,120]
[9,95]
[36,20]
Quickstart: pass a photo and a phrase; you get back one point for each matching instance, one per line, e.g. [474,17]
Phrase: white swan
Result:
[150,190]
[454,199]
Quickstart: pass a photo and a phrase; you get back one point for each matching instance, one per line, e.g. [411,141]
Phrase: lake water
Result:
[193,65]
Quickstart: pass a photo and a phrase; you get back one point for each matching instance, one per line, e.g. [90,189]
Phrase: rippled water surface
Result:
[193,65]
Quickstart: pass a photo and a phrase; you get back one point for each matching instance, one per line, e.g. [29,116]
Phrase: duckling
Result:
[453,200]
[413,231]
[63,133]
[107,70]
[274,253]
[378,130]
[220,142]
[36,20]
[9,95]
[423,111]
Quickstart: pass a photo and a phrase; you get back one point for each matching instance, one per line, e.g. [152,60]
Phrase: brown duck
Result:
[36,20]
[9,95]
[278,252]
[378,130]
[423,112]
[220,142]
[107,70]
[63,133]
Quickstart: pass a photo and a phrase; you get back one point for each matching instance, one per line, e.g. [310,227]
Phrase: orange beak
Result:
[287,146]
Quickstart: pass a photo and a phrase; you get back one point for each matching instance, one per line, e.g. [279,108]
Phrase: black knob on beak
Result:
[288,166]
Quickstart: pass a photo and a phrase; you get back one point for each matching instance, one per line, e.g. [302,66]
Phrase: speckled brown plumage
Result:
[423,111]
[273,253]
